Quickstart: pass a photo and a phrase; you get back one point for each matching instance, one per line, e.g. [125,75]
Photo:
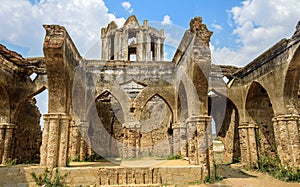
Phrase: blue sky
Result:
[243,29]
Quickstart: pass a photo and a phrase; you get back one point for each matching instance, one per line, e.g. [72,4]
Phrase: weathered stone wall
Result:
[28,135]
[116,176]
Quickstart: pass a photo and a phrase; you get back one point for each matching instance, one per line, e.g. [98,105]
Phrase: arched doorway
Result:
[156,128]
[27,138]
[105,130]
[225,124]
[259,107]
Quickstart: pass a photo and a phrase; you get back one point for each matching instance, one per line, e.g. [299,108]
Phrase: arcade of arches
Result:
[120,107]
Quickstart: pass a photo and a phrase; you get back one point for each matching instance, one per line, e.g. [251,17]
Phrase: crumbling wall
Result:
[155,130]
[28,134]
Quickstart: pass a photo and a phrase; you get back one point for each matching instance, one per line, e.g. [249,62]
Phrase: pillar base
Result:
[287,137]
[247,134]
[200,148]
[54,149]
[6,140]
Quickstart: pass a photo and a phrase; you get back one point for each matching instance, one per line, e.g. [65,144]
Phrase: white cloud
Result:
[166,20]
[127,6]
[216,27]
[258,25]
[21,22]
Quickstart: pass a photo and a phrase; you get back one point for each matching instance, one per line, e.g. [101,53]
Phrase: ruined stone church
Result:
[132,103]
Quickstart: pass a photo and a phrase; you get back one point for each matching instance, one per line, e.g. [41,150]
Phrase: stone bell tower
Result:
[132,42]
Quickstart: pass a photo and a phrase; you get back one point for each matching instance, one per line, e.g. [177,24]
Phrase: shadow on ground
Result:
[232,171]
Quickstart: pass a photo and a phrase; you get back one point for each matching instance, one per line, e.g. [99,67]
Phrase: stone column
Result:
[64,127]
[157,48]
[200,143]
[74,140]
[84,141]
[162,38]
[124,46]
[104,49]
[54,149]
[287,137]
[6,136]
[248,144]
[176,138]
[139,47]
[148,48]
[132,142]
[183,139]
[45,138]
[117,45]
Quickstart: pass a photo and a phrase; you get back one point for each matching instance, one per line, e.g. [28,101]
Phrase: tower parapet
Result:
[132,42]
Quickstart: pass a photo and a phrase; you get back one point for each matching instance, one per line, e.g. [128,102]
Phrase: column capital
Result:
[287,117]
[198,119]
[245,125]
[56,116]
[7,126]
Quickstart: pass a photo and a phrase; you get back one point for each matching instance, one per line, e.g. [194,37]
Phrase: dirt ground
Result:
[234,176]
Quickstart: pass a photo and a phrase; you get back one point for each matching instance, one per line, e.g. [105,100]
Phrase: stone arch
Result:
[24,100]
[259,108]
[291,85]
[27,137]
[105,125]
[165,93]
[182,103]
[156,119]
[226,117]
[188,86]
[121,96]
[200,81]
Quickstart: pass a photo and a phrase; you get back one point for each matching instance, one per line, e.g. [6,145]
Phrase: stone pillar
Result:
[200,143]
[64,127]
[287,137]
[131,147]
[85,140]
[157,49]
[124,46]
[104,49]
[176,138]
[6,136]
[74,140]
[248,144]
[183,139]
[54,149]
[162,38]
[148,48]
[83,149]
[139,47]
[117,45]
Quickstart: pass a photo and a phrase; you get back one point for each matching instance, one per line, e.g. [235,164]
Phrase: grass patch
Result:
[273,167]
[174,157]
[48,179]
